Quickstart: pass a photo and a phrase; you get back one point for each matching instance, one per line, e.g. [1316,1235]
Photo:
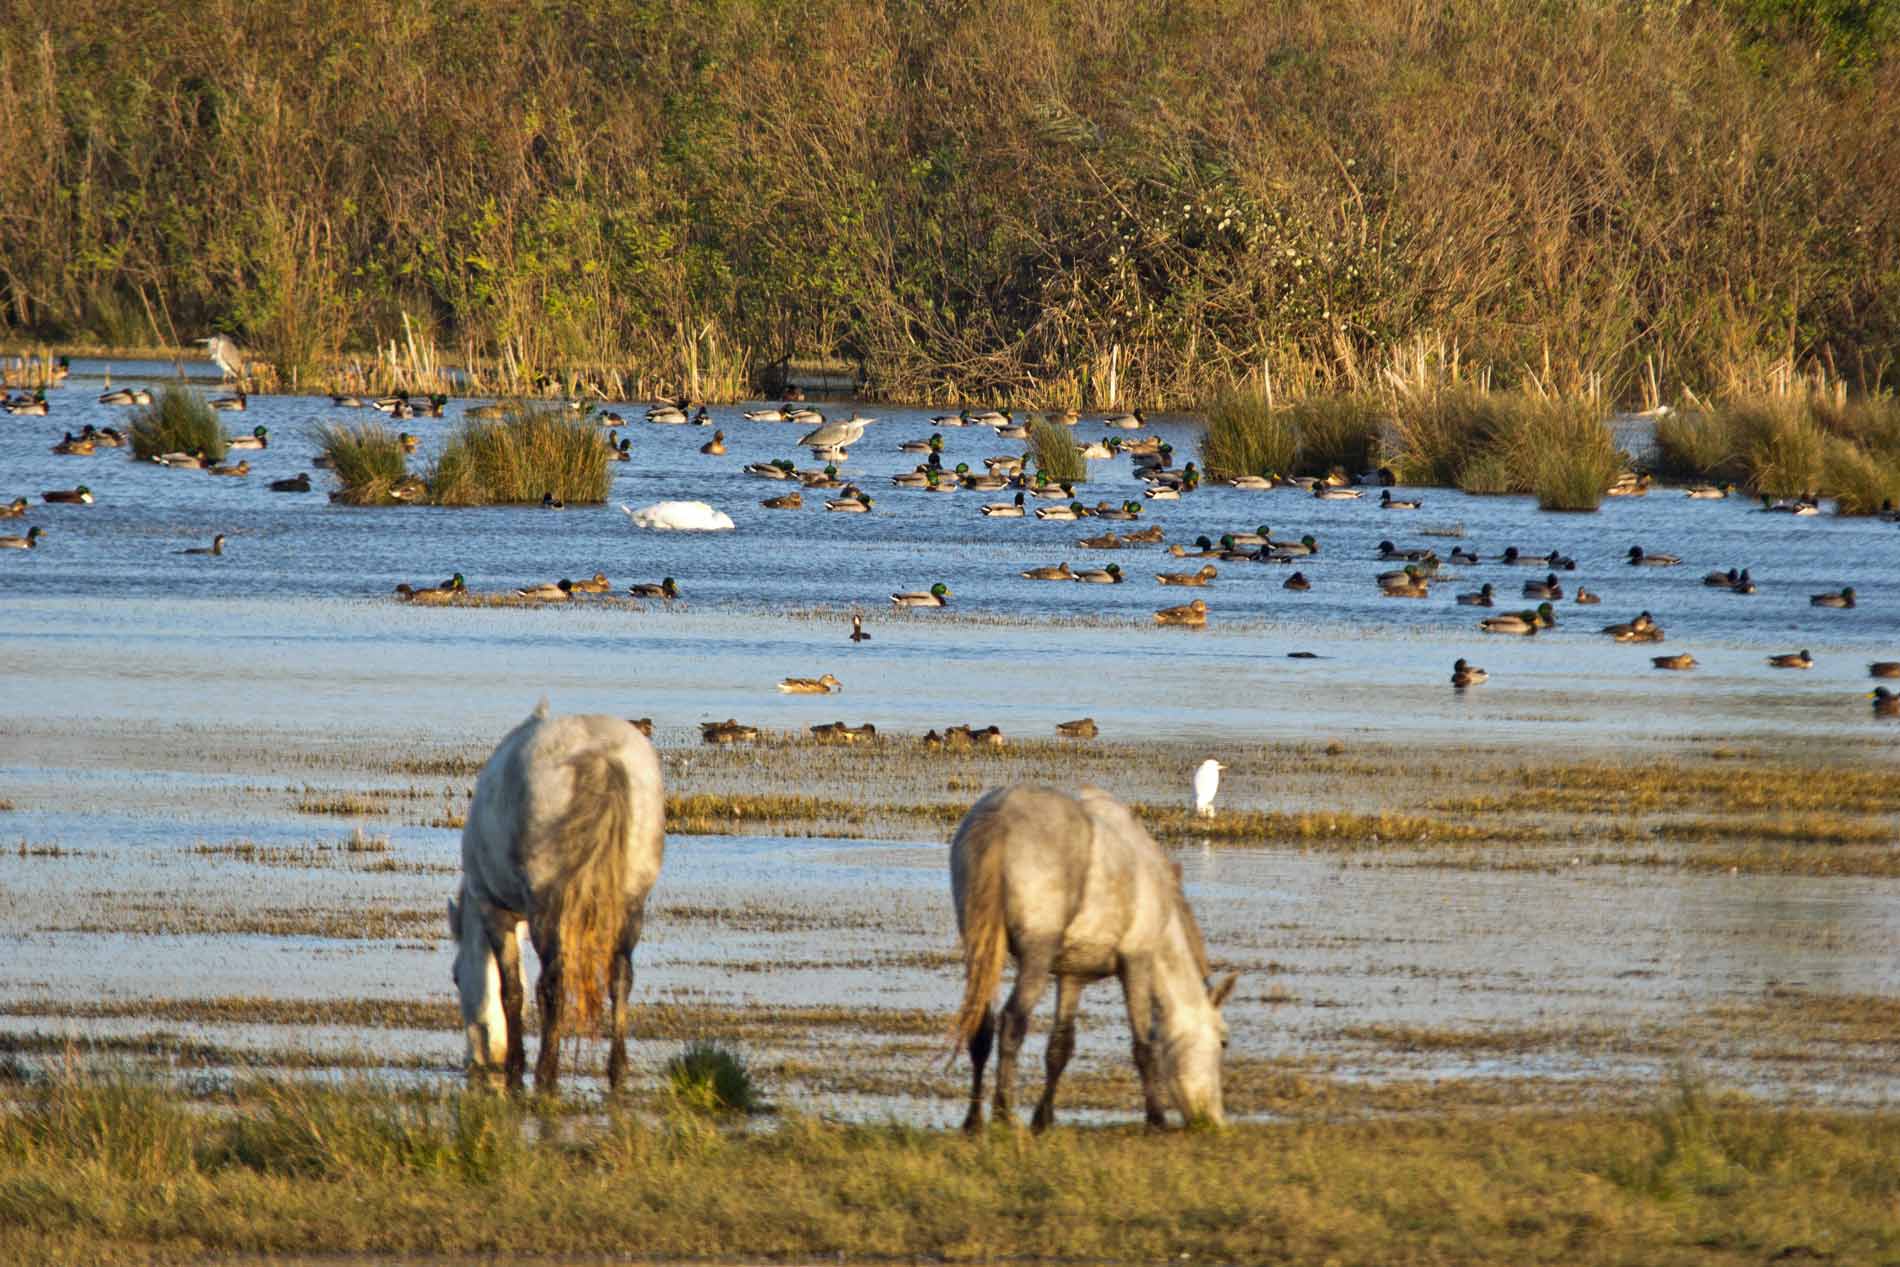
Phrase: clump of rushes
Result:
[179,421]
[1246,435]
[1347,432]
[1781,443]
[521,456]
[1056,454]
[1443,431]
[1572,457]
[710,1078]
[368,460]
[1698,444]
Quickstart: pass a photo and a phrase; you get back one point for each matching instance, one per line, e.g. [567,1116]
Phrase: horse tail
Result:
[585,898]
[985,931]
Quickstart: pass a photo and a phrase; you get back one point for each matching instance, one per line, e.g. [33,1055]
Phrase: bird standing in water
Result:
[1206,784]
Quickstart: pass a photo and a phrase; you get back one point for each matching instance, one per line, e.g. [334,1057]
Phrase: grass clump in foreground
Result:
[520,457]
[179,421]
[709,1078]
[117,1172]
[1056,455]
[1247,435]
[368,460]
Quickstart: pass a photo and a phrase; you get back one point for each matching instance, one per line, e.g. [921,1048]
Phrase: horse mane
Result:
[584,895]
[985,935]
[1191,929]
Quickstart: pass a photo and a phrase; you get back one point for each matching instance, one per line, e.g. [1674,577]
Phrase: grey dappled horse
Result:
[1075,889]
[564,836]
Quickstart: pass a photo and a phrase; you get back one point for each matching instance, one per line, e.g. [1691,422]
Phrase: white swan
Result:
[680,517]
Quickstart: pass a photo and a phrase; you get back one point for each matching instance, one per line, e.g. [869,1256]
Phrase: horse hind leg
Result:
[1032,978]
[1061,1047]
[514,1003]
[619,987]
[550,992]
[980,1043]
[1138,993]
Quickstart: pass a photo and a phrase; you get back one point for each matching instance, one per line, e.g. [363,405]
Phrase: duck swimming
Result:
[667,589]
[1080,728]
[1549,587]
[1192,614]
[1510,623]
[1639,558]
[793,500]
[1202,577]
[31,541]
[81,496]
[13,509]
[1004,510]
[1477,598]
[857,630]
[1843,597]
[1680,661]
[1107,541]
[216,547]
[1463,675]
[934,597]
[1388,502]
[1110,575]
[598,585]
[810,686]
[1792,660]
[1297,582]
[259,439]
[1886,703]
[1058,573]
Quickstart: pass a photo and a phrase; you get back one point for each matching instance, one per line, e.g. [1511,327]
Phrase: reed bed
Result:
[1055,453]
[1802,440]
[367,458]
[521,457]
[178,421]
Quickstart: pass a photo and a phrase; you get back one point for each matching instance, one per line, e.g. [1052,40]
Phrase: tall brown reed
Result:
[520,458]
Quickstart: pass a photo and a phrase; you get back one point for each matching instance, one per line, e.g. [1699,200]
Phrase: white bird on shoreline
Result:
[1206,784]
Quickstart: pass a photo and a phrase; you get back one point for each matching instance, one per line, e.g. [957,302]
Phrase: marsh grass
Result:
[115,1172]
[1791,442]
[1056,455]
[1247,435]
[1572,457]
[1699,444]
[1344,431]
[368,460]
[711,1078]
[518,458]
[178,421]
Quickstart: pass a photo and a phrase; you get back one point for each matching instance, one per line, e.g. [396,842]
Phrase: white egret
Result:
[1206,784]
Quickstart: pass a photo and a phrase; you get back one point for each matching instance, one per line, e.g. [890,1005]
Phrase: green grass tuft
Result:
[710,1078]
[1247,436]
[1056,455]
[368,460]
[179,421]
[515,459]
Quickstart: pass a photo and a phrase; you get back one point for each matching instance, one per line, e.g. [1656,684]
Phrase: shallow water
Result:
[110,635]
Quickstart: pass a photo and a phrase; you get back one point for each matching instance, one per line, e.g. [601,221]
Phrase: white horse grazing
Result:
[564,837]
[1074,888]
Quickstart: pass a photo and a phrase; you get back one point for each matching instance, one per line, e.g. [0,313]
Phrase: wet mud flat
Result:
[1417,929]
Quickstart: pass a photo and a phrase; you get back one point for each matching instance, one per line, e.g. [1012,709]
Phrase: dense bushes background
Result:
[982,197]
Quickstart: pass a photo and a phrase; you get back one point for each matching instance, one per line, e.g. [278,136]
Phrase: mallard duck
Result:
[74,446]
[1510,623]
[1260,536]
[1587,597]
[810,685]
[850,504]
[1721,580]
[764,415]
[433,409]
[824,478]
[986,417]
[1231,551]
[1546,616]
[1639,558]
[1058,573]
[1549,587]
[216,547]
[1886,703]
[14,509]
[934,444]
[667,589]
[1328,493]
[550,502]
[410,488]
[30,541]
[715,447]
[1708,492]
[1110,575]
[33,406]
[728,731]
[667,415]
[554,592]
[1406,584]
[1389,502]
[408,442]
[935,596]
[1202,577]
[776,469]
[260,439]
[1744,584]
[1642,629]
[234,471]
[1792,660]
[829,732]
[1107,541]
[1481,597]
[1126,511]
[1194,614]
[433,595]
[122,396]
[1843,597]
[1303,548]
[597,584]
[1388,552]
[81,496]
[793,500]
[981,483]
[1681,660]
[1297,582]
[911,479]
[1463,675]
[232,404]
[968,736]
[1884,668]
[1252,483]
[1201,549]
[1073,511]
[1126,421]
[1151,535]
[1080,728]
[619,448]
[1629,484]
[1461,555]
[347,401]
[1517,558]
[1162,493]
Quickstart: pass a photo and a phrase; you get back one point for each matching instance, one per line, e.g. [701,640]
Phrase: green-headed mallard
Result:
[1549,587]
[232,404]
[777,469]
[1389,502]
[33,406]
[1110,575]
[850,503]
[667,589]
[1080,728]
[1060,572]
[793,500]
[1481,597]
[935,596]
[1202,577]
[30,541]
[259,439]
[1073,511]
[810,685]
[433,595]
[1463,675]
[1721,580]
[81,496]
[1510,623]
[1193,614]
[1792,660]
[764,415]
[216,547]
[1300,549]
[1843,597]
[550,592]
[1680,661]
[1638,557]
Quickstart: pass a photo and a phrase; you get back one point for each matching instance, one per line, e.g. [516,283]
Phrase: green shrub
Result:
[1782,445]
[368,459]
[179,421]
[1247,436]
[709,1078]
[1056,454]
[521,456]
